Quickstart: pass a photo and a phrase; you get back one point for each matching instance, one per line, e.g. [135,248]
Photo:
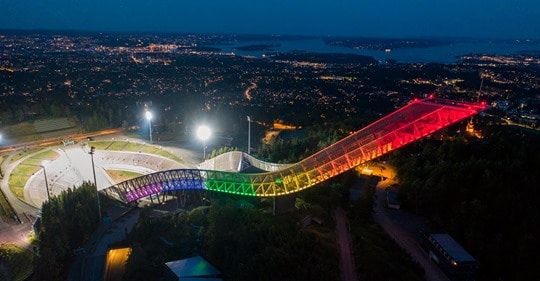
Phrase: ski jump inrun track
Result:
[416,120]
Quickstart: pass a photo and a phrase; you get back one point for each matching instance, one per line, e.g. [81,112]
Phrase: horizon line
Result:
[311,36]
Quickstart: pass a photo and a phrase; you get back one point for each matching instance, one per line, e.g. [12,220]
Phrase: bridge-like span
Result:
[403,126]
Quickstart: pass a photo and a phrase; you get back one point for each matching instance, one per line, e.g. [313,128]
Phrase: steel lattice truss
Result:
[408,124]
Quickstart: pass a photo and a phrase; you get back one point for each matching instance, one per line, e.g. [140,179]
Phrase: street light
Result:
[46,182]
[203,132]
[91,152]
[249,135]
[148,115]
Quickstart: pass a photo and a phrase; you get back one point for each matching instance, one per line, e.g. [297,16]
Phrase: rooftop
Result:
[452,247]
[193,267]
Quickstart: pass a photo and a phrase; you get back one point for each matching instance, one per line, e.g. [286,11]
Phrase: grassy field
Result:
[16,184]
[100,145]
[18,261]
[119,176]
[117,145]
[134,147]
[21,129]
[150,149]
[20,175]
[23,153]
[26,131]
[22,132]
[47,154]
[37,159]
[5,208]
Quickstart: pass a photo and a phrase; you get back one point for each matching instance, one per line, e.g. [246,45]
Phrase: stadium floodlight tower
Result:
[249,135]
[148,115]
[43,164]
[204,133]
[91,152]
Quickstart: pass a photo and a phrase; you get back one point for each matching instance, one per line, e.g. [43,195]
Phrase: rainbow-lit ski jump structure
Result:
[407,124]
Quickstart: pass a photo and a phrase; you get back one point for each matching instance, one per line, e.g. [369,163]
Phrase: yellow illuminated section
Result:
[115,265]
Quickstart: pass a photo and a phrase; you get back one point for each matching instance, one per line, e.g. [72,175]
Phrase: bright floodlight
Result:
[148,115]
[203,132]
[45,162]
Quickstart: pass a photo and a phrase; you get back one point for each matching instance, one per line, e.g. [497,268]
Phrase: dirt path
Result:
[346,259]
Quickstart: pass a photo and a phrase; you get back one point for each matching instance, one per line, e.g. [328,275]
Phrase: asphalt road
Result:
[402,226]
[12,231]
[91,265]
[16,229]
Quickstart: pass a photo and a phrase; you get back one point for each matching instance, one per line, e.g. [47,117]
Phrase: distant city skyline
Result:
[509,19]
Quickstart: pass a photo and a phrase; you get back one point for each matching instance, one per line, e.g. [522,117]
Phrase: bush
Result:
[18,261]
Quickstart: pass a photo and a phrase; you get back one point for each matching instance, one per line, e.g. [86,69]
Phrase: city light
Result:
[204,133]
[148,115]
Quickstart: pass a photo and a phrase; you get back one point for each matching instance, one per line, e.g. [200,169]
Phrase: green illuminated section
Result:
[240,188]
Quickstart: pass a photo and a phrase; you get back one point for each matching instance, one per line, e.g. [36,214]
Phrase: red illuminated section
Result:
[408,124]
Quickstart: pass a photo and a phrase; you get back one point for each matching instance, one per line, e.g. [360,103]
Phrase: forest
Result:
[67,222]
[484,192]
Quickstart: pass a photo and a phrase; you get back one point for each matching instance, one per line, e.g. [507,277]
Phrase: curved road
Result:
[403,227]
[16,229]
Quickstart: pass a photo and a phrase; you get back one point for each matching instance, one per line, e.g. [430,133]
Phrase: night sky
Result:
[513,19]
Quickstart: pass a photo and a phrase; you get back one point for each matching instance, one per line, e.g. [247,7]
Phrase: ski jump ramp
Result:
[414,121]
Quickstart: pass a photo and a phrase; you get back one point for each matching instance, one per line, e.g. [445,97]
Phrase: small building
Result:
[37,225]
[391,200]
[67,142]
[195,268]
[451,257]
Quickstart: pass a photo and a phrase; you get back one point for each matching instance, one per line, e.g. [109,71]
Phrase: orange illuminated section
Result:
[115,264]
